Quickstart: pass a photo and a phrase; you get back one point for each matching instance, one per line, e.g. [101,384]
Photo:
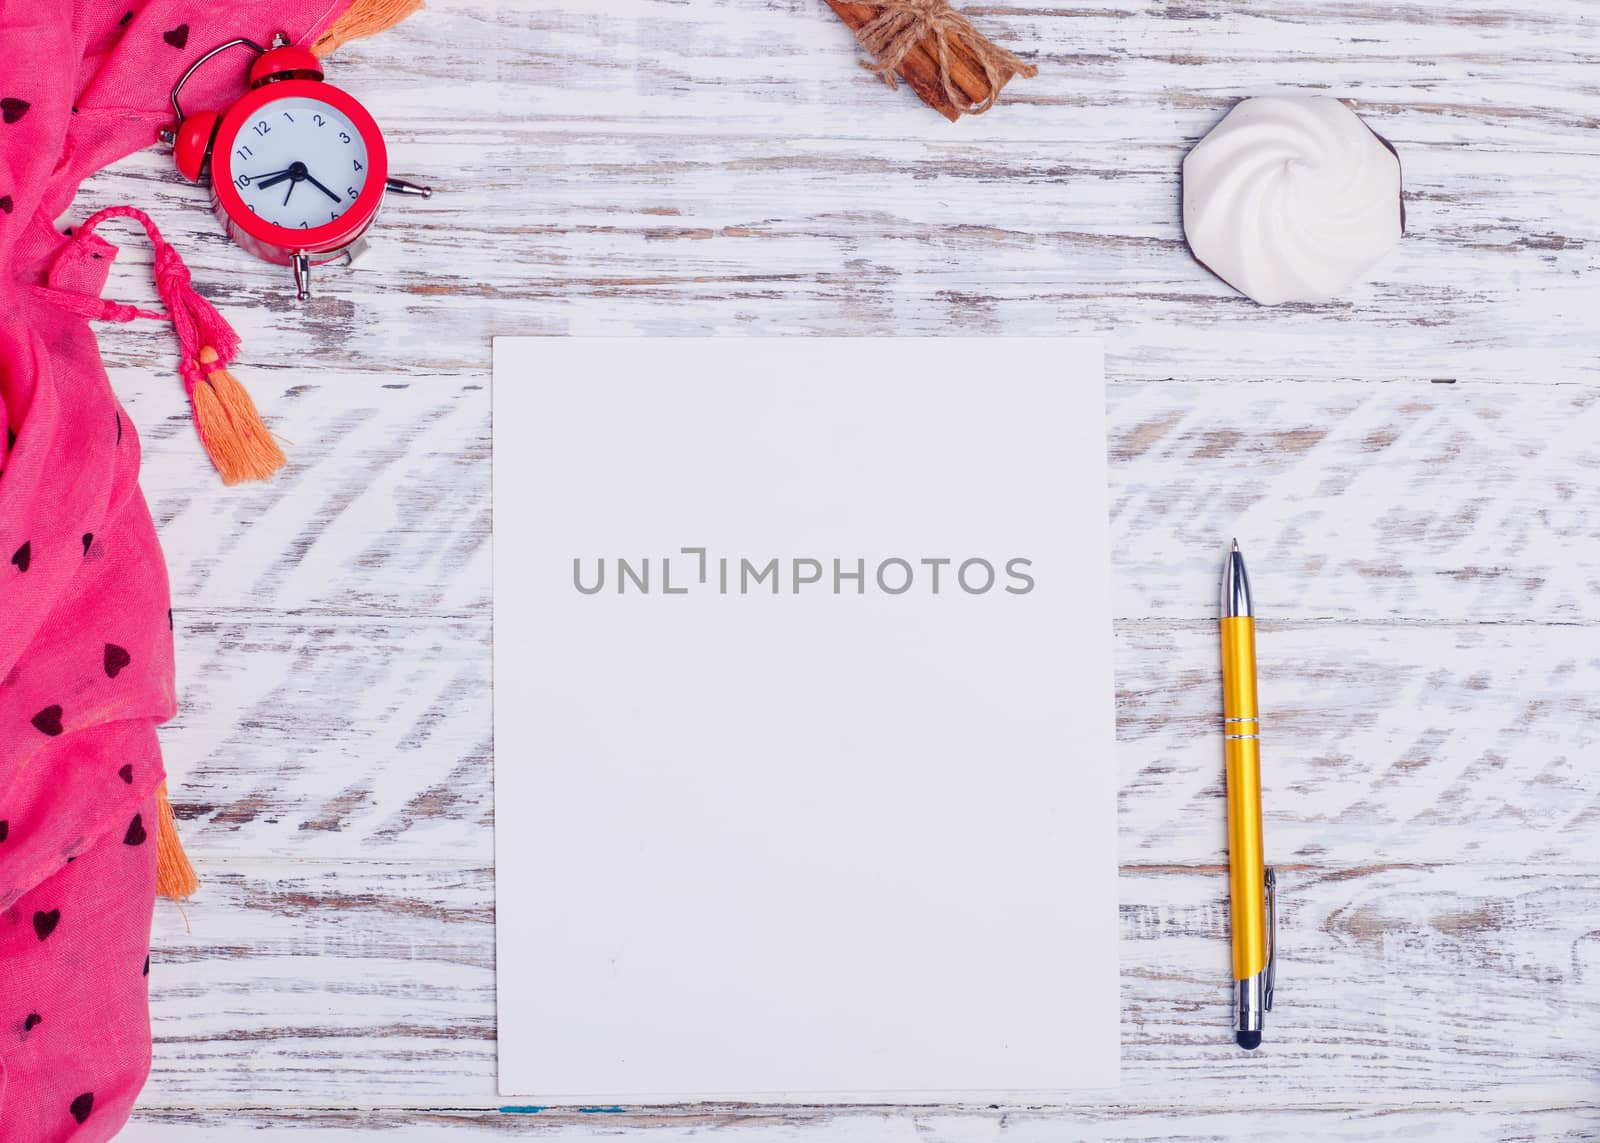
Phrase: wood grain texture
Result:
[1411,469]
[1410,502]
[339,739]
[371,984]
[1108,1123]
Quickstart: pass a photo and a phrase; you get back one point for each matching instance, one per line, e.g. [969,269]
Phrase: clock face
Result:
[296,162]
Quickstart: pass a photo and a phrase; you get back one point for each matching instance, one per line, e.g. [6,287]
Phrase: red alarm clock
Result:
[297,167]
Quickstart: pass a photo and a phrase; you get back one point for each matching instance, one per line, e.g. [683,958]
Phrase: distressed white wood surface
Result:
[1108,1123]
[372,983]
[1427,553]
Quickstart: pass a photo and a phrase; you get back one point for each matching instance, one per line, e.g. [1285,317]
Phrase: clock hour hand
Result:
[322,188]
[294,172]
[272,178]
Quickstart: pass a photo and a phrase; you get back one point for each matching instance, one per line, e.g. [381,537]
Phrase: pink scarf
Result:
[85,622]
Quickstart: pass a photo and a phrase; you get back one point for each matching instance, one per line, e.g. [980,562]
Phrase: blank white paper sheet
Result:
[805,778]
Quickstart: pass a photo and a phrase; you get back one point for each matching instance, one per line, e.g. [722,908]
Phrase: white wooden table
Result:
[1412,470]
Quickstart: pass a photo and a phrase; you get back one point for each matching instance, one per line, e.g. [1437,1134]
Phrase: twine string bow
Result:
[903,24]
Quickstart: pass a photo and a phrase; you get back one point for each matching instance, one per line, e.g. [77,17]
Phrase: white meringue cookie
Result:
[1291,198]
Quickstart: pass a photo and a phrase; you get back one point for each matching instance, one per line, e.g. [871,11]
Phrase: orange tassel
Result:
[364,18]
[175,877]
[236,438]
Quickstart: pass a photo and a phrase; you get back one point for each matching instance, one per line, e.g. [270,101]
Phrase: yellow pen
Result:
[1252,888]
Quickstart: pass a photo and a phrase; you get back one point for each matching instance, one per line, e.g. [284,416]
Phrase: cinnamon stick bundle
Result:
[951,66]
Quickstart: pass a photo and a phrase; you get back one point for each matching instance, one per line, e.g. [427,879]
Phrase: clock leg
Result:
[302,275]
[401,187]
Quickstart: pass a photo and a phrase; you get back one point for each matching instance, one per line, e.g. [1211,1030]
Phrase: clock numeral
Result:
[304,225]
[261,128]
[317,119]
[289,117]
[241,181]
[357,162]
[243,151]
[352,192]
[344,136]
[333,216]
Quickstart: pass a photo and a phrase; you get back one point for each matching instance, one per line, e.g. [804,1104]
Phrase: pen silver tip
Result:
[1235,585]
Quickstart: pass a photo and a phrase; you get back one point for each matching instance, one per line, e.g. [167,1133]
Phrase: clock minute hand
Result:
[322,188]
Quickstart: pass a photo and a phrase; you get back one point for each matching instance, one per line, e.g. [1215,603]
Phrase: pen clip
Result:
[1271,890]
